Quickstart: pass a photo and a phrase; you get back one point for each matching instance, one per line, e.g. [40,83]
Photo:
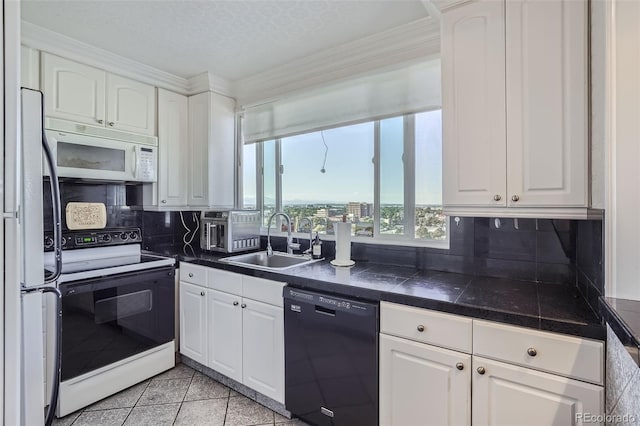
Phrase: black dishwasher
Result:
[331,358]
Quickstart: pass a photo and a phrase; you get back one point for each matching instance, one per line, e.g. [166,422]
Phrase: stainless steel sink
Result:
[277,262]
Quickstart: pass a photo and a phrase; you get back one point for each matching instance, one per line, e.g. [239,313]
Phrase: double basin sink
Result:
[276,262]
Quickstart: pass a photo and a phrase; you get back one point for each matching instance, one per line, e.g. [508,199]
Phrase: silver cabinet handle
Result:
[190,274]
[460,366]
[497,197]
[244,305]
[111,123]
[202,293]
[100,121]
[481,370]
[235,303]
[420,328]
[164,201]
[515,198]
[532,352]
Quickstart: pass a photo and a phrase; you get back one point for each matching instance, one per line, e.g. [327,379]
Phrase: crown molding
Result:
[208,82]
[411,42]
[46,40]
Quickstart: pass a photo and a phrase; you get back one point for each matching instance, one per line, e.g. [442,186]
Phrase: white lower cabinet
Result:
[263,348]
[193,322]
[499,384]
[506,395]
[237,336]
[422,384]
[225,325]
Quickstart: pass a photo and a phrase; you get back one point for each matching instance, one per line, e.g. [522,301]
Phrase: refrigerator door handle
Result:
[55,387]
[55,198]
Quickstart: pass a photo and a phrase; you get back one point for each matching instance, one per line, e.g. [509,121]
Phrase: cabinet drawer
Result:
[225,281]
[565,355]
[194,274]
[262,290]
[449,331]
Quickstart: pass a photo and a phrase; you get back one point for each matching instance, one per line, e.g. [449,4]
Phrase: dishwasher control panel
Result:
[322,303]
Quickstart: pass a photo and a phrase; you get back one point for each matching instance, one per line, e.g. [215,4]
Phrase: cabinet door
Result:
[73,91]
[225,333]
[131,105]
[172,148]
[421,385]
[223,159]
[473,105]
[199,133]
[193,322]
[546,51]
[263,348]
[211,151]
[509,395]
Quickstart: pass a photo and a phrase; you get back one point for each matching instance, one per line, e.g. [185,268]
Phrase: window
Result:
[385,176]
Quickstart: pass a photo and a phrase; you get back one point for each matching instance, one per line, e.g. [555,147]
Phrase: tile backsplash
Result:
[113,195]
[543,250]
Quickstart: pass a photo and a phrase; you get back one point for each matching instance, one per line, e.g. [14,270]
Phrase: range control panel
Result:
[101,238]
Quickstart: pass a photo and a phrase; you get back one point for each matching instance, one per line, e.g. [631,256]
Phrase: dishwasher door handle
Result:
[325,311]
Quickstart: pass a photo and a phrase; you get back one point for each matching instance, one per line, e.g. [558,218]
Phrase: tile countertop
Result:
[551,307]
[623,316]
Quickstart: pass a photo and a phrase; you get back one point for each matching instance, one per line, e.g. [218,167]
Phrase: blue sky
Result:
[349,169]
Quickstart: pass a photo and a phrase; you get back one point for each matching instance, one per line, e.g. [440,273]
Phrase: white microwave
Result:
[103,154]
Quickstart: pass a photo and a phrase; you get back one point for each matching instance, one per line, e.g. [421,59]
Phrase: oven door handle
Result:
[212,234]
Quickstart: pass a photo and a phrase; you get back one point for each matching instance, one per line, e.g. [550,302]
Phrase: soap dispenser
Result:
[316,248]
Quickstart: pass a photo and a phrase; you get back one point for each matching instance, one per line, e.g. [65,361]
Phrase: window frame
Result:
[409,160]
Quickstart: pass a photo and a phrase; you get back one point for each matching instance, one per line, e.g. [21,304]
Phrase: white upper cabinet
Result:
[131,105]
[547,154]
[515,106]
[73,91]
[172,148]
[473,105]
[211,173]
[85,94]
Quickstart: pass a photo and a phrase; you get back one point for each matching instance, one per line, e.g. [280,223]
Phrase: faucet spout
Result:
[289,239]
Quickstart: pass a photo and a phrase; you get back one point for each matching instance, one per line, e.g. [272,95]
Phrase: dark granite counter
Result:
[623,316]
[551,307]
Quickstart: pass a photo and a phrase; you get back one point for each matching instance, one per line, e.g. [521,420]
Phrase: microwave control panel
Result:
[146,164]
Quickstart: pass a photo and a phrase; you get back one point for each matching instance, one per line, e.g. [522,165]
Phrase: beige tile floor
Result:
[180,396]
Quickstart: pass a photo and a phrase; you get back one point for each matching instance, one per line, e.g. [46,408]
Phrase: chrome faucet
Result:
[307,251]
[290,245]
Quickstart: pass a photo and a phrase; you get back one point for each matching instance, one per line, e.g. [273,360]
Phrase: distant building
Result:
[359,209]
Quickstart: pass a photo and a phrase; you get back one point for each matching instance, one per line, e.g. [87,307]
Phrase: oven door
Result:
[108,319]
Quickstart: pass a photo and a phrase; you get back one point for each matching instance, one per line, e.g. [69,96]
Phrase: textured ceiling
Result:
[231,39]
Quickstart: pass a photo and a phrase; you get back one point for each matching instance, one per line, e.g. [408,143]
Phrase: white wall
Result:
[623,134]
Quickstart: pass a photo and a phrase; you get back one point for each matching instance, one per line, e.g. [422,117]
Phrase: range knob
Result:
[133,235]
[106,238]
[64,241]
[48,242]
[124,236]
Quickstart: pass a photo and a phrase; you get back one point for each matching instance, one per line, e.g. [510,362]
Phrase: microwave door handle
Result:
[135,162]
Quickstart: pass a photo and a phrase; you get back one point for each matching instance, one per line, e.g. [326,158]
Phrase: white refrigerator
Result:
[26,386]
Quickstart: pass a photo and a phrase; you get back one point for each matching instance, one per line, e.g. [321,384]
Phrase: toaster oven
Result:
[230,231]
